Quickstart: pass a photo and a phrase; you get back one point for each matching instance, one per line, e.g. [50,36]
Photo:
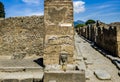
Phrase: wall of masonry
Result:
[58,19]
[22,37]
[106,36]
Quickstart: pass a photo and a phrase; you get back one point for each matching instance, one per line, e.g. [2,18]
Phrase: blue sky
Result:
[104,10]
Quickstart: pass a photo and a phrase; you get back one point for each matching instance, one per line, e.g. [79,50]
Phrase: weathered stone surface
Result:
[88,74]
[61,76]
[27,76]
[117,64]
[102,75]
[106,36]
[59,31]
[110,57]
[88,62]
[59,67]
[119,72]
[81,66]
[10,80]
[27,80]
[22,37]
[59,39]
[19,65]
[118,43]
[53,67]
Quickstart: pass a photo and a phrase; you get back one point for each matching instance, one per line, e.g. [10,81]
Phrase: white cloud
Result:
[79,6]
[31,1]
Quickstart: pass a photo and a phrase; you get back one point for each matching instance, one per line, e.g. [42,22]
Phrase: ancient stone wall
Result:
[117,25]
[58,17]
[22,37]
[106,36]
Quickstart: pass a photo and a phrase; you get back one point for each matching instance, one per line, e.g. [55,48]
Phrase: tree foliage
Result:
[2,12]
[79,25]
[90,21]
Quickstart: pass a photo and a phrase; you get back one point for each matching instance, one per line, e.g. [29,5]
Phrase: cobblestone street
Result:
[91,60]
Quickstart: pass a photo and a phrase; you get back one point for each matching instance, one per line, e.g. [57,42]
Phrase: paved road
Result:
[93,60]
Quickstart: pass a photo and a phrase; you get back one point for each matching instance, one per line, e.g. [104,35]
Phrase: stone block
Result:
[10,80]
[59,39]
[61,76]
[37,80]
[52,49]
[102,75]
[68,48]
[27,80]
[69,67]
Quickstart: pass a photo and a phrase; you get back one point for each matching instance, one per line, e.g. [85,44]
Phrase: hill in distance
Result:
[78,22]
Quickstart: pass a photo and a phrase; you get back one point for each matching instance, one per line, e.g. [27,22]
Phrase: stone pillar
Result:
[58,19]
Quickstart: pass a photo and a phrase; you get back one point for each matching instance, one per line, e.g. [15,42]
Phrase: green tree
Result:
[90,21]
[2,12]
[79,25]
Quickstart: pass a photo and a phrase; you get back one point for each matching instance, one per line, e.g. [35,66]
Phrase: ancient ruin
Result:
[47,48]
[103,35]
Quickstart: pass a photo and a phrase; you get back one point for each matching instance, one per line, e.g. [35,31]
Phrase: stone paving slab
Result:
[9,65]
[102,75]
[18,63]
[21,76]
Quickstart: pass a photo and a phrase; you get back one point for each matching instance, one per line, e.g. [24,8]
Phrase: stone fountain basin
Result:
[55,73]
[64,76]
[69,67]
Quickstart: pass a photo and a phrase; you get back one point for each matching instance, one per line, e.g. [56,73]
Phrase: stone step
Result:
[19,65]
[21,76]
[20,69]
[26,70]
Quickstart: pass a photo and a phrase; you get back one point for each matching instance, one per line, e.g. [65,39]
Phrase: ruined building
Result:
[106,36]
